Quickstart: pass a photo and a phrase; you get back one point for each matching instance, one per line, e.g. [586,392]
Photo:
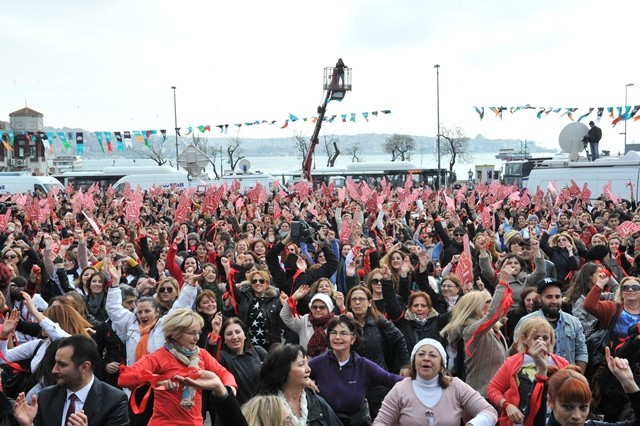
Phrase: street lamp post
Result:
[437,67]
[175,116]
[625,121]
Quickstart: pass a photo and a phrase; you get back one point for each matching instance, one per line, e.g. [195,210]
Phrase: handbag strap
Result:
[18,367]
[613,323]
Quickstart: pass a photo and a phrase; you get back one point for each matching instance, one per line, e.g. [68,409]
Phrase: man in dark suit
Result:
[78,398]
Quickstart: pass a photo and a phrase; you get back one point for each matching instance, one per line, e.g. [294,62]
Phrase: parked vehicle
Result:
[16,183]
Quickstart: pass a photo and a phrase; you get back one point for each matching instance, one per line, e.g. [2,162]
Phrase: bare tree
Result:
[155,150]
[213,153]
[330,144]
[400,147]
[234,152]
[353,151]
[302,144]
[457,146]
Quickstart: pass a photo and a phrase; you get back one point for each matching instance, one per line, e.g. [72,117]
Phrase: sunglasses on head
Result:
[258,280]
[166,290]
[631,287]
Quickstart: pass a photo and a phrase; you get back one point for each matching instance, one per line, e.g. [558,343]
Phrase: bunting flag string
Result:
[125,140]
[616,114]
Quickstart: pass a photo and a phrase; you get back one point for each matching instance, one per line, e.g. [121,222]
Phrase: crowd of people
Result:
[320,306]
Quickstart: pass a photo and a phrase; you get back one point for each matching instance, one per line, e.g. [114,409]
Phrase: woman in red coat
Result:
[176,403]
[510,387]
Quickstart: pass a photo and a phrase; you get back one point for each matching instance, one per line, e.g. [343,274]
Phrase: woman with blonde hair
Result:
[510,387]
[562,251]
[179,403]
[266,410]
[473,332]
[397,262]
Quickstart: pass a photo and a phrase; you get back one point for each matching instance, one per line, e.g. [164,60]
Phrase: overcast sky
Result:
[110,65]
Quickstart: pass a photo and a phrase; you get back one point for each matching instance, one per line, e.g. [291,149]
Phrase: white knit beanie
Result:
[433,343]
[324,299]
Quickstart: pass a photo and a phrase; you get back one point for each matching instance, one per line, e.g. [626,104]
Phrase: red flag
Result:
[608,193]
[626,228]
[586,193]
[574,189]
[4,219]
[486,218]
[525,200]
[461,194]
[352,190]
[464,268]
[409,182]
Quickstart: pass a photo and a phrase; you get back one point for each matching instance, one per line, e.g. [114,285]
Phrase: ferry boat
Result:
[66,163]
[510,154]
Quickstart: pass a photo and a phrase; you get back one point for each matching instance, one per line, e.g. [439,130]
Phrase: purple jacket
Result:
[344,387]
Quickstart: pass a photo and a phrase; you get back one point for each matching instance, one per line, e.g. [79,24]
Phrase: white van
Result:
[617,170]
[146,181]
[15,183]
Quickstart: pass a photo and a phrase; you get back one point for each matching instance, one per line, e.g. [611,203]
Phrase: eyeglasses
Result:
[193,333]
[359,299]
[634,287]
[318,308]
[375,281]
[259,280]
[448,286]
[165,290]
[10,256]
[341,333]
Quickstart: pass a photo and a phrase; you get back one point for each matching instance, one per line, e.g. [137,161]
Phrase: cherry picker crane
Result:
[337,82]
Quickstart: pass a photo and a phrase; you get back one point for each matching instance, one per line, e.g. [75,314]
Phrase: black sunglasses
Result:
[458,234]
[165,290]
[260,280]
[375,281]
[634,287]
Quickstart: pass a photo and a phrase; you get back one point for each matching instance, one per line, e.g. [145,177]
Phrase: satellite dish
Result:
[193,160]
[571,139]
[244,165]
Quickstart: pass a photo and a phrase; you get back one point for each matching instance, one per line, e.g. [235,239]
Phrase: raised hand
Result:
[23,412]
[216,324]
[10,324]
[301,292]
[620,368]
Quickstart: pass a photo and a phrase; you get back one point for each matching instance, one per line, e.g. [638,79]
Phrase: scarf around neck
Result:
[318,341]
[142,348]
[189,358]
